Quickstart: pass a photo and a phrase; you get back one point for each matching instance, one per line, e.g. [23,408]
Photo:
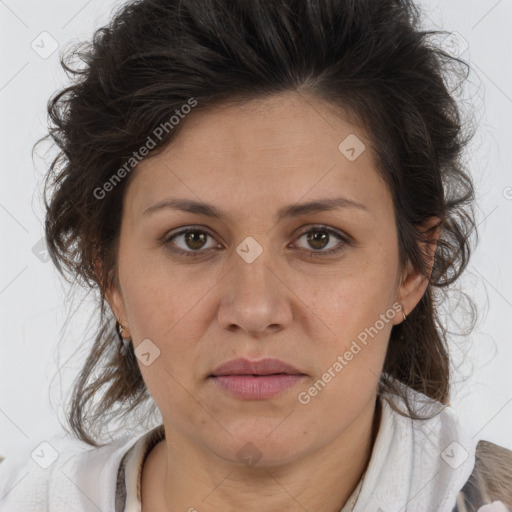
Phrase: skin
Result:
[250,161]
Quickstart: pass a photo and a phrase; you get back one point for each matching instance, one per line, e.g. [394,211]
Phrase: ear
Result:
[414,284]
[114,298]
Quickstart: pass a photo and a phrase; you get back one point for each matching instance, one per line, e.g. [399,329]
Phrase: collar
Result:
[418,465]
[133,464]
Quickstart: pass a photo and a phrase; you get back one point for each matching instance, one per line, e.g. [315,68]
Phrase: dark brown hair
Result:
[368,57]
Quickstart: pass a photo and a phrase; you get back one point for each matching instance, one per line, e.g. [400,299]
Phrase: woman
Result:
[270,199]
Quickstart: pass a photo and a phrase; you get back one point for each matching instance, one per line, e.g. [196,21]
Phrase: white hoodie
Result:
[416,466]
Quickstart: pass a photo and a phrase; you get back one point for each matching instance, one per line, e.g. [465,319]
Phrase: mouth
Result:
[269,366]
[256,380]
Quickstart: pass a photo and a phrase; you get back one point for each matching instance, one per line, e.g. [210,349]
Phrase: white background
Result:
[34,376]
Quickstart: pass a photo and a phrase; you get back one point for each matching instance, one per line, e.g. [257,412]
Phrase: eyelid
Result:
[322,227]
[168,236]
[343,239]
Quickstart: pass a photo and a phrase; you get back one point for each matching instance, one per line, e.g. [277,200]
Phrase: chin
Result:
[263,442]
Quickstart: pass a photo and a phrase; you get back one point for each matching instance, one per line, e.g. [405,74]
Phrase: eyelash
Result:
[166,240]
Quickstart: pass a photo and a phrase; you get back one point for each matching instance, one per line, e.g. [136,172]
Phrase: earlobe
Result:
[113,297]
[114,300]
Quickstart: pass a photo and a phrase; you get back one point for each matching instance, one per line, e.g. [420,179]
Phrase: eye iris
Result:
[315,237]
[193,237]
[196,239]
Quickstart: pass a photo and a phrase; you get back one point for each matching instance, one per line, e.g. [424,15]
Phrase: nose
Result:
[254,298]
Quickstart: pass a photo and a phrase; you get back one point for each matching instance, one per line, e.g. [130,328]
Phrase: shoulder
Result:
[417,464]
[490,481]
[470,474]
[63,474]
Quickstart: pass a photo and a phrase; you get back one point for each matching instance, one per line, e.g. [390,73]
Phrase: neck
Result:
[178,476]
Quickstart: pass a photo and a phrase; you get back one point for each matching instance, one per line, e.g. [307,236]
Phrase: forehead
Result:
[285,125]
[281,148]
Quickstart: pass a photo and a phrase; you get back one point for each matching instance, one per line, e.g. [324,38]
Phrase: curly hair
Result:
[369,58]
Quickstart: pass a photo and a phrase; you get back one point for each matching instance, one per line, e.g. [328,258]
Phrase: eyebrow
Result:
[293,210]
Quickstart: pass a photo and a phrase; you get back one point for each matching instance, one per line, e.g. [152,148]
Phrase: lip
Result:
[268,366]
[256,380]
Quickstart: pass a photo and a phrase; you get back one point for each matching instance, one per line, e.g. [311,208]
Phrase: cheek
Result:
[160,295]
[350,343]
[173,308]
[354,295]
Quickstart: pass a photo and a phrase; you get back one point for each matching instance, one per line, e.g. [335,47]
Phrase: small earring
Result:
[121,327]
[403,313]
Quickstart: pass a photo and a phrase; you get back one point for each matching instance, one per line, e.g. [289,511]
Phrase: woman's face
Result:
[315,287]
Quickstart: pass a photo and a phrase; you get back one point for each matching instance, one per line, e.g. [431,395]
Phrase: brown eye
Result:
[318,238]
[195,239]
[189,242]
